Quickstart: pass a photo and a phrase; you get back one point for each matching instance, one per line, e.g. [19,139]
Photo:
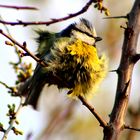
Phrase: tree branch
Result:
[18,7]
[131,128]
[125,70]
[12,90]
[23,47]
[116,17]
[93,111]
[53,20]
[134,120]
[136,58]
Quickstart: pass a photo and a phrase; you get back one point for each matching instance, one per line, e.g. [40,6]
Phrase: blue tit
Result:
[72,62]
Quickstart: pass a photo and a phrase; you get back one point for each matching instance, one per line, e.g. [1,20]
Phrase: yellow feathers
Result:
[78,65]
[95,65]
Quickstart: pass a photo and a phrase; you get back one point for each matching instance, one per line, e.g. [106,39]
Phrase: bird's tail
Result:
[31,89]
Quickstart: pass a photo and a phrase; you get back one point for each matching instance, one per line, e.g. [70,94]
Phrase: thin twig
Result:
[18,7]
[23,47]
[12,122]
[131,128]
[136,58]
[16,49]
[4,84]
[12,90]
[134,117]
[93,111]
[116,17]
[5,26]
[52,21]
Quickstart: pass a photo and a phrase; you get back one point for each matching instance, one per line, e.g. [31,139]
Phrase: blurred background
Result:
[60,118]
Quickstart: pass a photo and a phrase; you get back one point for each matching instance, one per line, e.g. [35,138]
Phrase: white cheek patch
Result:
[84,37]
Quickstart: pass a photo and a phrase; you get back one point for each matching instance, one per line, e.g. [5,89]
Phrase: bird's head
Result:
[83,31]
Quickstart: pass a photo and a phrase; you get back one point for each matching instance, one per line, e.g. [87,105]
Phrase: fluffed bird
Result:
[72,62]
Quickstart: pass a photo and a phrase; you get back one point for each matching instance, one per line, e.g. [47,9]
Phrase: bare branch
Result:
[5,85]
[93,111]
[116,17]
[10,43]
[84,9]
[136,58]
[18,7]
[52,21]
[23,46]
[125,70]
[131,128]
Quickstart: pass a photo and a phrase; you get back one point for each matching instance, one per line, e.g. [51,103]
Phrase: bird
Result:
[72,62]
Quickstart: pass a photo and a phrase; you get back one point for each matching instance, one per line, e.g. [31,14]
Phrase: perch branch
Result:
[93,111]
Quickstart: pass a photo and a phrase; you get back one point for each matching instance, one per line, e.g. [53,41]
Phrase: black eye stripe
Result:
[77,29]
[96,38]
